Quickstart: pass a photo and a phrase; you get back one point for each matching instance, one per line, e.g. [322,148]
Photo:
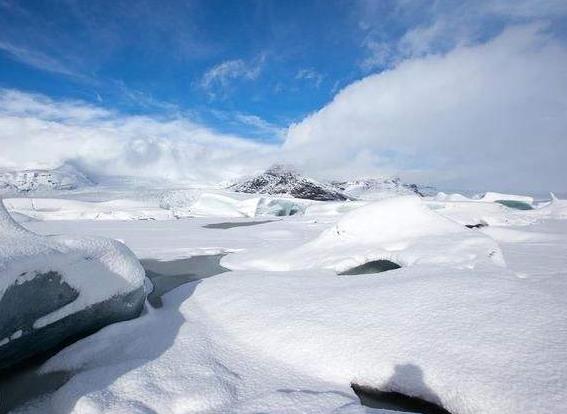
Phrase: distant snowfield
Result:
[475,320]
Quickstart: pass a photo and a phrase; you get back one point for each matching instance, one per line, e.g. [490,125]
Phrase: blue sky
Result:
[241,66]
[282,59]
[252,69]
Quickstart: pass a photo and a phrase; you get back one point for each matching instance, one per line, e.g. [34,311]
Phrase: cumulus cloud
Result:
[492,114]
[38,132]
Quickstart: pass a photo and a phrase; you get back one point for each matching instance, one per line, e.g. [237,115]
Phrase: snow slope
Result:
[459,325]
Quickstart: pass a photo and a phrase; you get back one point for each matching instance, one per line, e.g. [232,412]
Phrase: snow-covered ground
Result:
[475,320]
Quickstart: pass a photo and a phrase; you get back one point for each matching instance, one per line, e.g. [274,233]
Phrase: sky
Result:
[467,94]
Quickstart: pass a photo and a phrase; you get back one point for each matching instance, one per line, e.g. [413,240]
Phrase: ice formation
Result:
[54,288]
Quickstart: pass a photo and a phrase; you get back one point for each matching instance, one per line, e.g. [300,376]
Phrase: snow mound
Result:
[66,177]
[46,280]
[379,188]
[280,180]
[402,230]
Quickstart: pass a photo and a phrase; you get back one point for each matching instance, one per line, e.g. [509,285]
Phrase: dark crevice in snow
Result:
[375,266]
[391,400]
[168,275]
[395,401]
[476,226]
[229,224]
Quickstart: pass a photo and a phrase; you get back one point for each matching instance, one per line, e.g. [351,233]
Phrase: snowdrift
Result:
[55,288]
[402,230]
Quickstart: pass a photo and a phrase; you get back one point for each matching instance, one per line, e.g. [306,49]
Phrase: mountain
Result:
[66,177]
[377,188]
[282,180]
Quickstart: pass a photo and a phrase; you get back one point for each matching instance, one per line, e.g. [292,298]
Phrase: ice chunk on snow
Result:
[89,270]
[402,230]
[217,205]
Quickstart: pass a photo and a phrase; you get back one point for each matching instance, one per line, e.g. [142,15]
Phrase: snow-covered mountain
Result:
[377,188]
[66,177]
[282,180]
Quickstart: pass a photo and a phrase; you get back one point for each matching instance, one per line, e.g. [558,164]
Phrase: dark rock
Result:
[279,180]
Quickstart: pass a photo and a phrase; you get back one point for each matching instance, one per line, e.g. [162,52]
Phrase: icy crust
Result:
[97,268]
[402,230]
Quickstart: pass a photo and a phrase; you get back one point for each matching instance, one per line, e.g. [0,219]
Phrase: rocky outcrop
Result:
[280,180]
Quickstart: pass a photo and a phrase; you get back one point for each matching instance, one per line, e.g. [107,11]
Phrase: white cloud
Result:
[441,25]
[485,115]
[36,131]
[310,75]
[36,59]
[217,80]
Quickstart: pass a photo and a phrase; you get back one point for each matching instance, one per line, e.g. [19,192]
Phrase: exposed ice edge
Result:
[98,268]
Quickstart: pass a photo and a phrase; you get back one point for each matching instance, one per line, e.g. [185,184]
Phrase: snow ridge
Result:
[374,187]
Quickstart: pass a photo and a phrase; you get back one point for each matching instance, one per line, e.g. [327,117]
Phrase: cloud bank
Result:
[490,115]
[37,132]
[485,116]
